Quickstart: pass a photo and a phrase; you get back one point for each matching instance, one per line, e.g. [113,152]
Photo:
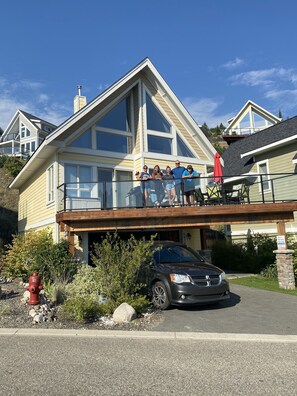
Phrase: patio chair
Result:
[200,197]
[214,195]
[244,194]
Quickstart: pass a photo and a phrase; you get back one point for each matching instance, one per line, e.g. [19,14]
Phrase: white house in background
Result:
[250,119]
[24,134]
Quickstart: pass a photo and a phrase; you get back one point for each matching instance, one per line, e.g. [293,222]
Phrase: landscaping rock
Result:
[124,313]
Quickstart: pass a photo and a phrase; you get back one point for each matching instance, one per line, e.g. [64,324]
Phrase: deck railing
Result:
[107,195]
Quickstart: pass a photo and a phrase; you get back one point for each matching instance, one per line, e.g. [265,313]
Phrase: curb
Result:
[271,338]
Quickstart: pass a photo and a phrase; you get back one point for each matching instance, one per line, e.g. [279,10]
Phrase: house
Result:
[89,162]
[24,134]
[267,162]
[250,119]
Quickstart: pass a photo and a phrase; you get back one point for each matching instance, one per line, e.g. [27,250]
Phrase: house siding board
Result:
[32,200]
[176,121]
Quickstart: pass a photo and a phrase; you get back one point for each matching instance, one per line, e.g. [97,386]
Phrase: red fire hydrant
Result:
[34,288]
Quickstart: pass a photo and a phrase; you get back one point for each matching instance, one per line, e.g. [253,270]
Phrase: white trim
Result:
[50,179]
[97,153]
[268,190]
[241,177]
[268,147]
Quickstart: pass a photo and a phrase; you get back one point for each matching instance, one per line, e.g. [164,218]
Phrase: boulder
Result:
[124,313]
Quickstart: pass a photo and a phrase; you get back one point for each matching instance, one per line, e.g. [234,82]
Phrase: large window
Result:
[182,149]
[78,181]
[113,142]
[155,120]
[83,141]
[157,144]
[118,118]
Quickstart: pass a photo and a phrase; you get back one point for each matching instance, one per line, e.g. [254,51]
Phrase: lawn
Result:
[259,282]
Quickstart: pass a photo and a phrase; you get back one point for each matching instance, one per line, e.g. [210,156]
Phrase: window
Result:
[118,118]
[155,120]
[78,181]
[50,184]
[33,146]
[182,149]
[28,147]
[83,141]
[157,144]
[23,131]
[263,170]
[113,142]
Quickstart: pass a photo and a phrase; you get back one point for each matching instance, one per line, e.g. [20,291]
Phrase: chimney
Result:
[79,101]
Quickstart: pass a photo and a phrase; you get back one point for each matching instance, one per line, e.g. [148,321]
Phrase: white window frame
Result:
[169,135]
[50,184]
[266,190]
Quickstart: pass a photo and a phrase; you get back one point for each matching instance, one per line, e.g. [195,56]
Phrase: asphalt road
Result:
[249,311]
[79,365]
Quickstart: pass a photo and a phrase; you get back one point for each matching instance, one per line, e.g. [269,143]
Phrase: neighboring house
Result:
[24,134]
[138,120]
[250,119]
[267,162]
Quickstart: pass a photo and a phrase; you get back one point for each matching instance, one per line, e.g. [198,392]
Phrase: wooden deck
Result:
[177,217]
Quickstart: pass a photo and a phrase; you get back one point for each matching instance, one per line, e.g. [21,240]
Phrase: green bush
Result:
[86,283]
[252,256]
[13,166]
[118,263]
[80,309]
[55,292]
[36,252]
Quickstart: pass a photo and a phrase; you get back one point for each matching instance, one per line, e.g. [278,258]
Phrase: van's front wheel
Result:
[160,297]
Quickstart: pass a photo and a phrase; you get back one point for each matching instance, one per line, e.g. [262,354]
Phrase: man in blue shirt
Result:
[178,174]
[189,184]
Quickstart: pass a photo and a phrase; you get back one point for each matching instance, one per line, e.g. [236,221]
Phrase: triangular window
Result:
[155,120]
[83,141]
[182,149]
[118,118]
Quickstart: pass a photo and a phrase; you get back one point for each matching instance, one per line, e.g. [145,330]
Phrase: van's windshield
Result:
[176,254]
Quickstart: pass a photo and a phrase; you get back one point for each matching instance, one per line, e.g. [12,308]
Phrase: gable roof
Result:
[33,120]
[55,139]
[250,106]
[238,156]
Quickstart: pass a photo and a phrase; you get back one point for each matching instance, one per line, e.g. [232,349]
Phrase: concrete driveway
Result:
[249,311]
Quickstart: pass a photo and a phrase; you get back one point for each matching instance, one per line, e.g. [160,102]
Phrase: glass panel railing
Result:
[163,193]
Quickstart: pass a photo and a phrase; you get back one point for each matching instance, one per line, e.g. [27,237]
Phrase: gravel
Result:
[15,314]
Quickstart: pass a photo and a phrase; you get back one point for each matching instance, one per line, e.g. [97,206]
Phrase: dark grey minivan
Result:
[179,275]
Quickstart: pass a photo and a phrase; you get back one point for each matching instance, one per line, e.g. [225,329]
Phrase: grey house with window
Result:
[262,160]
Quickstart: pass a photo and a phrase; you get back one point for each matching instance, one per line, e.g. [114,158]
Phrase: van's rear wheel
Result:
[160,296]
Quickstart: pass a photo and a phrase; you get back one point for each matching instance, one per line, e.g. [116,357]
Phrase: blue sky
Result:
[214,54]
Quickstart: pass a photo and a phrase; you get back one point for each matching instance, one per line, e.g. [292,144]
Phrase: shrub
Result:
[252,256]
[36,252]
[270,271]
[85,283]
[13,166]
[26,252]
[118,263]
[80,309]
[55,292]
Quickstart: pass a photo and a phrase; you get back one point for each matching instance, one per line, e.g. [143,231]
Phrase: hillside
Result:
[8,208]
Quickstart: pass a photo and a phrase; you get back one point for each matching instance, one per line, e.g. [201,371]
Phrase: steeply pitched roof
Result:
[234,165]
[251,106]
[33,119]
